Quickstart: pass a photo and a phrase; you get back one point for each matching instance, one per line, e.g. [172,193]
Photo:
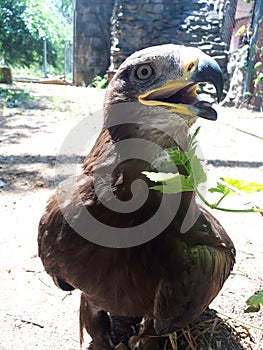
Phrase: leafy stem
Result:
[171,183]
[215,206]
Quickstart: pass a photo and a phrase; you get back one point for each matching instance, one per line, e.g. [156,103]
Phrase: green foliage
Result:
[16,42]
[12,98]
[175,183]
[245,186]
[241,30]
[255,301]
[258,65]
[258,72]
[44,21]
[258,79]
[99,82]
[24,25]
[178,183]
[220,189]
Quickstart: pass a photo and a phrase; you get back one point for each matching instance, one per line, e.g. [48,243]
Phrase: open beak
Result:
[180,96]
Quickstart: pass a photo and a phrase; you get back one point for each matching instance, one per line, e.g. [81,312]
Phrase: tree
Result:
[50,21]
[45,20]
[24,26]
[16,43]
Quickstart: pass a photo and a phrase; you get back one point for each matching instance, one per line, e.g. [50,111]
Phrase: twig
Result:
[68,294]
[187,335]
[165,344]
[213,331]
[26,321]
[174,346]
[31,322]
[45,284]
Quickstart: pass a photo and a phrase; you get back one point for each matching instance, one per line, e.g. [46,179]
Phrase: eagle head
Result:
[166,77]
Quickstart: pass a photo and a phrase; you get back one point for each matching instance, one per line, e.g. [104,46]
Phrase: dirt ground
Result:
[34,314]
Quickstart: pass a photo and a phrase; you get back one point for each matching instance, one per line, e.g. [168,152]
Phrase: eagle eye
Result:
[144,72]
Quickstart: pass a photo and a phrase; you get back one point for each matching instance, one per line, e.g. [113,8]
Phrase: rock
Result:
[39,184]
[2,184]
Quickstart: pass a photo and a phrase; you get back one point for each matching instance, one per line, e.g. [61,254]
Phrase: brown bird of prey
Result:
[130,250]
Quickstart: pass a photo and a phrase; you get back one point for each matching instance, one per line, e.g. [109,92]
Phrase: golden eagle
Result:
[133,251]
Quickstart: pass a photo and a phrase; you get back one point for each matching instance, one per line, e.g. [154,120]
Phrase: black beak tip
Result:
[208,70]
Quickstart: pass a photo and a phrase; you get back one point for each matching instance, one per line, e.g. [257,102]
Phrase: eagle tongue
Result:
[205,110]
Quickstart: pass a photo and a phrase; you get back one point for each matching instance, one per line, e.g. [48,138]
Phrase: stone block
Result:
[206,46]
[92,29]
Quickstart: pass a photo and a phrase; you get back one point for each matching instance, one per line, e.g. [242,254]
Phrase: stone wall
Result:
[236,70]
[92,39]
[207,24]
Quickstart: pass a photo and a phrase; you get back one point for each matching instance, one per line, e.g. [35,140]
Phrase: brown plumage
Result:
[125,263]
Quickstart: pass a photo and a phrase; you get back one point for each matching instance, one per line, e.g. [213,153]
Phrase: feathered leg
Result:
[97,324]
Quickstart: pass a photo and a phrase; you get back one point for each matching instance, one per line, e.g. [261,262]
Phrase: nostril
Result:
[190,67]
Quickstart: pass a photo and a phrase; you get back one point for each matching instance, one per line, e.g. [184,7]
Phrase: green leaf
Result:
[258,65]
[241,30]
[158,177]
[177,156]
[197,171]
[99,82]
[192,138]
[245,186]
[220,189]
[215,190]
[256,299]
[176,184]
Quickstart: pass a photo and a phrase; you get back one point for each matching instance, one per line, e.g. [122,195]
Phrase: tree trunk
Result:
[6,75]
[45,58]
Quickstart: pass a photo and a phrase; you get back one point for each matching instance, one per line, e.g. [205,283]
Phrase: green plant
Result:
[24,26]
[170,183]
[255,301]
[12,98]
[99,82]
[258,67]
